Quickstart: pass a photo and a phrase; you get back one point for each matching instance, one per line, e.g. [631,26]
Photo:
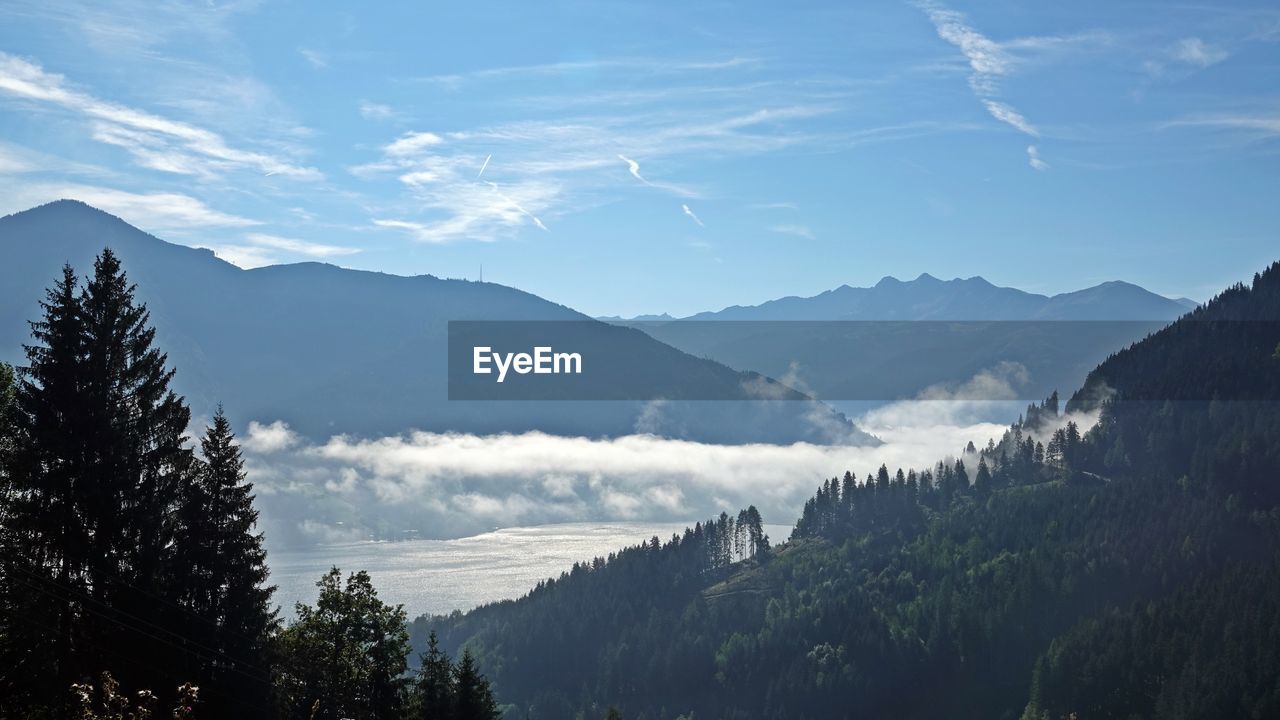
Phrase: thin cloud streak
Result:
[634,168]
[155,142]
[1265,125]
[1011,117]
[516,205]
[160,211]
[1195,51]
[801,231]
[377,111]
[299,247]
[989,61]
[544,162]
[569,67]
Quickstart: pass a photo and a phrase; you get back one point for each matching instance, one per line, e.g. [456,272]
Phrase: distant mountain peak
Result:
[67,205]
[973,298]
[70,210]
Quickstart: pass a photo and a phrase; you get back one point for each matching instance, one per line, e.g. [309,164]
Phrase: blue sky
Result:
[648,157]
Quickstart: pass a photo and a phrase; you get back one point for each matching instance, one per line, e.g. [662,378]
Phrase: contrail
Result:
[485,165]
[689,212]
[516,205]
[635,168]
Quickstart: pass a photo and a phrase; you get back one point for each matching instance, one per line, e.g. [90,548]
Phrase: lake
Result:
[439,576]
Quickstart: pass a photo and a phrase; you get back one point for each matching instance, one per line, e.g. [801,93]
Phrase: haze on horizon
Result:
[712,152]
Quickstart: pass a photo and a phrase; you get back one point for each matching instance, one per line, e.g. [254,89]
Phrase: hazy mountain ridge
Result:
[333,351]
[902,339]
[974,298]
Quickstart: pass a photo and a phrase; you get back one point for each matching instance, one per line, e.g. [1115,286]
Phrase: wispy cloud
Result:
[498,191]
[300,247]
[475,211]
[1187,55]
[155,142]
[1033,158]
[691,215]
[466,208]
[314,58]
[263,249]
[245,257]
[412,143]
[17,159]
[645,65]
[989,61]
[1258,125]
[1195,51]
[634,168]
[801,231]
[154,212]
[12,163]
[545,165]
[136,27]
[1006,114]
[377,111]
[566,153]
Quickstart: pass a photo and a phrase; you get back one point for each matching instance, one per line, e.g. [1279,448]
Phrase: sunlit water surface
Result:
[439,576]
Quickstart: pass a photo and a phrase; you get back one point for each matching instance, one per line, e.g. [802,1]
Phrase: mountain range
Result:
[336,351]
[928,298]
[924,337]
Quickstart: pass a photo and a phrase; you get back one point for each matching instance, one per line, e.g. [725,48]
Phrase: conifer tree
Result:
[47,547]
[220,556]
[982,480]
[135,463]
[474,696]
[434,690]
[94,480]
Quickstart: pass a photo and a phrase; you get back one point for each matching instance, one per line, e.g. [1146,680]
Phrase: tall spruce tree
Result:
[434,690]
[46,545]
[474,695]
[222,563]
[95,476]
[136,462]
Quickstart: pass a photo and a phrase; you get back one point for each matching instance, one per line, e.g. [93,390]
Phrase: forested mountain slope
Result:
[1126,571]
